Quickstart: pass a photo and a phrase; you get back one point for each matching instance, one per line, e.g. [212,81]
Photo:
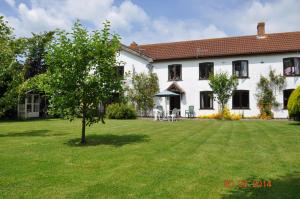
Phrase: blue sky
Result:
[151,21]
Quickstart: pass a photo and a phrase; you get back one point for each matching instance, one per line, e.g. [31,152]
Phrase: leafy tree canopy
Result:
[81,73]
[266,93]
[10,69]
[222,86]
[144,87]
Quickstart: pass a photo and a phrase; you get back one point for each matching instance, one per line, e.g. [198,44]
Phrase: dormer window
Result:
[291,66]
[240,68]
[174,72]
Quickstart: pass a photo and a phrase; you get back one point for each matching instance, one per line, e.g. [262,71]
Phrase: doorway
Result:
[175,102]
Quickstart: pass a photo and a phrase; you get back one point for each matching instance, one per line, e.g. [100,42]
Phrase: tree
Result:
[222,87]
[294,104]
[266,93]
[82,73]
[144,87]
[36,50]
[11,75]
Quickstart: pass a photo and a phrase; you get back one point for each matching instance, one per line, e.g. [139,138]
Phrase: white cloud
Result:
[164,30]
[12,3]
[134,24]
[126,15]
[127,18]
[36,20]
[280,16]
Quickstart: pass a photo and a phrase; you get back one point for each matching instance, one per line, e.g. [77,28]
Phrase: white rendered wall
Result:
[258,65]
[133,63]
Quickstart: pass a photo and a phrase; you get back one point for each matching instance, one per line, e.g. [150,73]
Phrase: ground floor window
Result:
[286,96]
[240,99]
[120,71]
[206,100]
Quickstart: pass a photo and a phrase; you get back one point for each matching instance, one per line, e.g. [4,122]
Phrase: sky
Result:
[153,21]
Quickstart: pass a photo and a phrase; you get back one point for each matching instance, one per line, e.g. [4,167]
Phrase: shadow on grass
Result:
[295,123]
[109,139]
[31,133]
[285,187]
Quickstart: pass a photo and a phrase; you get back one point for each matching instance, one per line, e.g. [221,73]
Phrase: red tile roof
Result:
[220,47]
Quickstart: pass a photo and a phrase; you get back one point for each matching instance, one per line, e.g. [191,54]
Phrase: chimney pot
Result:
[133,45]
[261,29]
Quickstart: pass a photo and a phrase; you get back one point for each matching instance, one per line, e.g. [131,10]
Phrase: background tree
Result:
[294,104]
[144,87]
[36,50]
[266,93]
[222,86]
[82,73]
[11,70]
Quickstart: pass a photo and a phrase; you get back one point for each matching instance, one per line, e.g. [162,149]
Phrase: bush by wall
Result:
[120,111]
[294,104]
[227,115]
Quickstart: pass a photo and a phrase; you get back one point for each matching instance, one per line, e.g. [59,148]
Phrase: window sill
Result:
[206,109]
[171,80]
[203,78]
[240,108]
[291,75]
[243,77]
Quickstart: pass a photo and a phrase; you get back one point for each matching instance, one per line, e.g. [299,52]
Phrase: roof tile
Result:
[230,46]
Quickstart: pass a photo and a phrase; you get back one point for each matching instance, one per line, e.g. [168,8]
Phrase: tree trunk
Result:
[83,141]
[222,110]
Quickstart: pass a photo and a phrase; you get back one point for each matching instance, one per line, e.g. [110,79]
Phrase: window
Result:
[240,99]
[174,72]
[206,100]
[286,95]
[205,69]
[291,66]
[120,71]
[240,68]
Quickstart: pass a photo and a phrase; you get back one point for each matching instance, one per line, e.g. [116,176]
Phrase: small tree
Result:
[294,104]
[144,87]
[82,73]
[222,86]
[266,93]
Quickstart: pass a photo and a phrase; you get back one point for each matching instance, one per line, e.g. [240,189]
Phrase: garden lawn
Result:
[147,159]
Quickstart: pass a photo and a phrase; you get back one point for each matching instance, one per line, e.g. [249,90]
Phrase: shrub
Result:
[294,104]
[226,115]
[265,116]
[120,111]
[210,116]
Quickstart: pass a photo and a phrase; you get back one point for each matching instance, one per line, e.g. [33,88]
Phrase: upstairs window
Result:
[206,100]
[240,99]
[291,66]
[240,68]
[174,72]
[205,69]
[286,96]
[120,71]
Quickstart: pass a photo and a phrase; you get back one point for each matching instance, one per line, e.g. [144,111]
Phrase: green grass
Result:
[147,159]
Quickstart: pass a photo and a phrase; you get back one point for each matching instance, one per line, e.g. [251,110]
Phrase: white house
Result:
[184,67]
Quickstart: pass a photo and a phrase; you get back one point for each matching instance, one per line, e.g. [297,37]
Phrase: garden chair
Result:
[160,112]
[190,112]
[173,115]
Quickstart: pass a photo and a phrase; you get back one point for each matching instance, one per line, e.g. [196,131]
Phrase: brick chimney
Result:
[261,30]
[133,45]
